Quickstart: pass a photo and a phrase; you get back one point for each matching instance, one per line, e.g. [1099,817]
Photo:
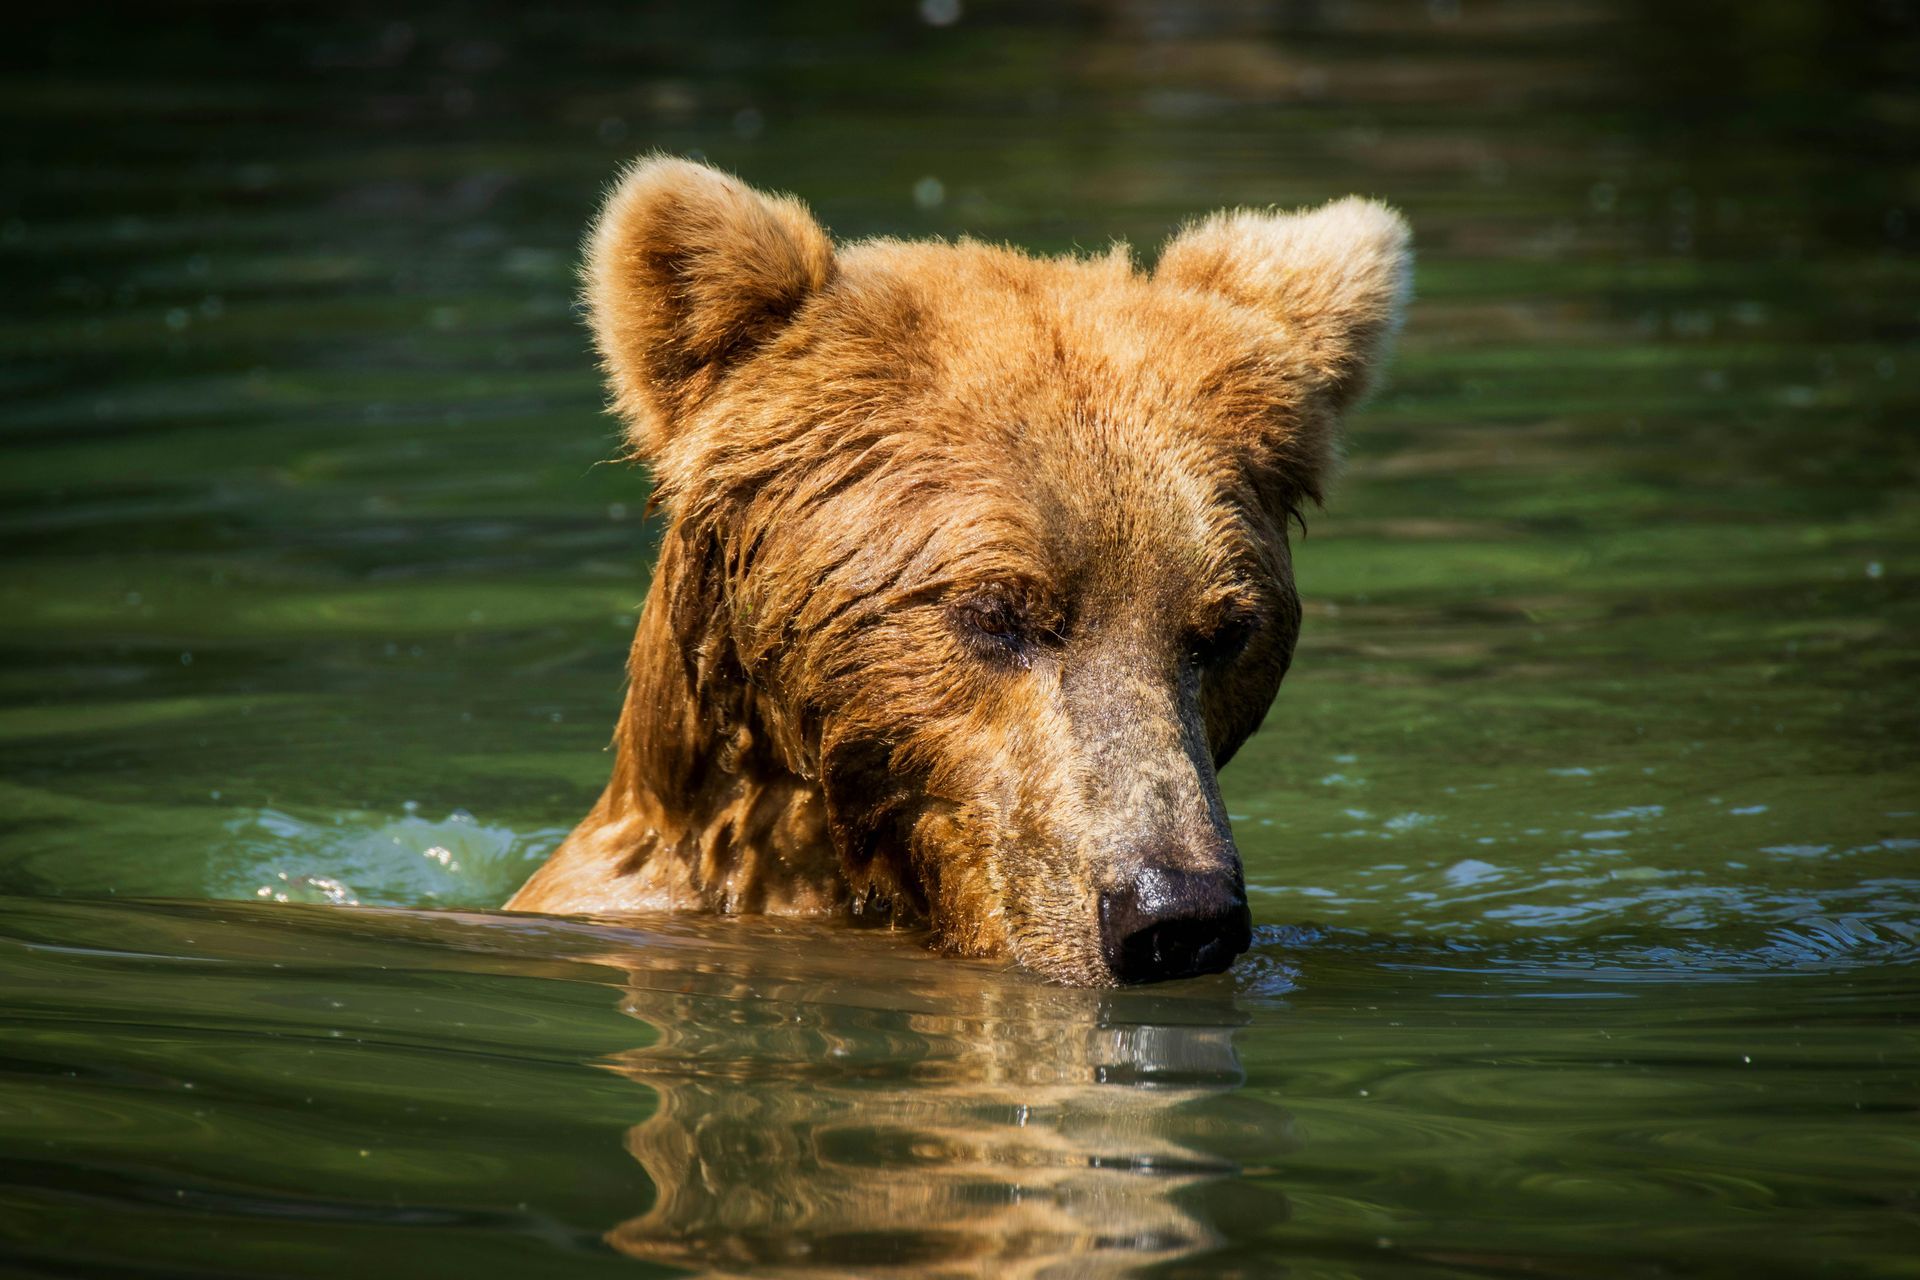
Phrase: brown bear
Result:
[975,569]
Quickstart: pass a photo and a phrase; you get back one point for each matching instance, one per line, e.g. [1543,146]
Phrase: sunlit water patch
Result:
[355,859]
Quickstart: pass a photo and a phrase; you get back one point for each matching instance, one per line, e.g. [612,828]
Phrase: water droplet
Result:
[1471,871]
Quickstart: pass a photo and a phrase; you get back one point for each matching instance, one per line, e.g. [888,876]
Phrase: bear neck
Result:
[711,810]
[701,813]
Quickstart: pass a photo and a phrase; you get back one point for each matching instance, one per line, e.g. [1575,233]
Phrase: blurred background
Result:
[301,505]
[315,587]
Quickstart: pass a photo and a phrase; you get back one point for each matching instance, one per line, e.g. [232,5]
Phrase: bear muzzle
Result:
[1164,924]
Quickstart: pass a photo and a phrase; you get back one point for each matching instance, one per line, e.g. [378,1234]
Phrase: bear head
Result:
[999,544]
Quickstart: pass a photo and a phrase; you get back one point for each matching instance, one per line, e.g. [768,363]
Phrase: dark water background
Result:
[1584,839]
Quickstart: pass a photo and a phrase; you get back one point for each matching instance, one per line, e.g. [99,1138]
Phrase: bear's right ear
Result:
[1334,280]
[687,272]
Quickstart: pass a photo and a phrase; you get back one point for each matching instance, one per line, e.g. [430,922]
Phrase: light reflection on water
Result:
[1710,922]
[359,859]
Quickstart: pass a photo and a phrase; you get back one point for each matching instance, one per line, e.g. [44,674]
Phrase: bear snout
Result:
[1173,924]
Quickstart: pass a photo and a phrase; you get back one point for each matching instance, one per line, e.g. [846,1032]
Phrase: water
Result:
[1584,840]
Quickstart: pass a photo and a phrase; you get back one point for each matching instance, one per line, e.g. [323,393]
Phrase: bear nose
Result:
[1173,924]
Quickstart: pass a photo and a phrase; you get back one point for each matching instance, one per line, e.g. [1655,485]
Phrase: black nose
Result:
[1173,924]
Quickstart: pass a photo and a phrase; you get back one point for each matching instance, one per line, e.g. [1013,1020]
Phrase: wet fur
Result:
[870,457]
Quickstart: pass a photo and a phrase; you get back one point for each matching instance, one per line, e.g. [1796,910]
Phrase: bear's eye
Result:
[1225,640]
[996,627]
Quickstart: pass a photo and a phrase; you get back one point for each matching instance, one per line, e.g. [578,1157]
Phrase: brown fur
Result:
[976,567]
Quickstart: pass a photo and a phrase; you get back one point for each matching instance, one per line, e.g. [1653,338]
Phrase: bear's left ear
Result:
[1334,281]
[688,272]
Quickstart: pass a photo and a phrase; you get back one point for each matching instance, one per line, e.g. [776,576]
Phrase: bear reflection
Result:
[833,1101]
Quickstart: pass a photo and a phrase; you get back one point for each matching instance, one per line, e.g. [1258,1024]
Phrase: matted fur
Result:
[958,540]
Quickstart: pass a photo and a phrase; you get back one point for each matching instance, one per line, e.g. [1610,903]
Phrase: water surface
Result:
[1584,839]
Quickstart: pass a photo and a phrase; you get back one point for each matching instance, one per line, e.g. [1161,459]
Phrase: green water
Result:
[1584,840]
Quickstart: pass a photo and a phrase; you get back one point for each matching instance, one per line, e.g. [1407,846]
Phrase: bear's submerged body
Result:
[976,567]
